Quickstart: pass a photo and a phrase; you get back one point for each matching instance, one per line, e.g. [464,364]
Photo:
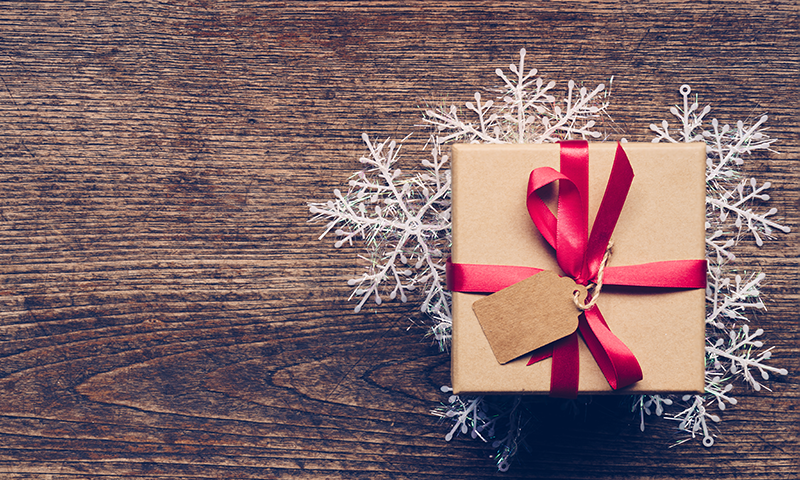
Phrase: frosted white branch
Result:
[644,404]
[467,415]
[739,356]
[736,202]
[693,419]
[731,301]
[405,222]
[525,112]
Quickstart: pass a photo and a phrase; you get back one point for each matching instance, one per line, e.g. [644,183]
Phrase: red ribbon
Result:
[579,255]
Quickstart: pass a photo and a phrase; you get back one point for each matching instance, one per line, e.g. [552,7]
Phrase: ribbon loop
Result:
[614,358]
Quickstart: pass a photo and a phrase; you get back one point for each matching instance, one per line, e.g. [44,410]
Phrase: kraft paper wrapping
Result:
[663,219]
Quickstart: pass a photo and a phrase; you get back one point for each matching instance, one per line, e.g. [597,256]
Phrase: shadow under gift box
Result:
[663,218]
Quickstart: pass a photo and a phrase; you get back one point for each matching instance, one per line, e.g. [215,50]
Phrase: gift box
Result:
[662,220]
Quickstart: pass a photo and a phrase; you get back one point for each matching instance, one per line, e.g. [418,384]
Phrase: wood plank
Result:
[166,309]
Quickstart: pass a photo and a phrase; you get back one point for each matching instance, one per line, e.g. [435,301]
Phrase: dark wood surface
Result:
[166,310]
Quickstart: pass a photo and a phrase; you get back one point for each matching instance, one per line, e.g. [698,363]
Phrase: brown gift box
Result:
[663,219]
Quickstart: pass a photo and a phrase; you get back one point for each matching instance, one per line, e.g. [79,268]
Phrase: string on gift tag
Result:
[594,288]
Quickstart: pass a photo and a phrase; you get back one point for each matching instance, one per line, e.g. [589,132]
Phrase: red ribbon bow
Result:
[579,255]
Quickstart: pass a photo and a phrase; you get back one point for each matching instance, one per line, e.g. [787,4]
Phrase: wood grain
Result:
[166,310]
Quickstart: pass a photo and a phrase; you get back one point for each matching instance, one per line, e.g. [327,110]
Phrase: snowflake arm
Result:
[567,121]
[450,127]
[508,446]
[467,414]
[718,247]
[727,146]
[526,112]
[643,403]
[689,118]
[519,99]
[735,201]
[716,387]
[738,359]
[731,300]
[693,418]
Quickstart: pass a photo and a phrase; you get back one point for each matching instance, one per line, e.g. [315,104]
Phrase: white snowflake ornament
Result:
[403,220]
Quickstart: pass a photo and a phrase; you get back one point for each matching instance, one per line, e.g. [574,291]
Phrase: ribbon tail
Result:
[617,188]
[540,354]
[615,360]
[565,370]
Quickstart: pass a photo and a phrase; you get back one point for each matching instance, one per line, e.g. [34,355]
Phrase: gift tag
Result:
[529,314]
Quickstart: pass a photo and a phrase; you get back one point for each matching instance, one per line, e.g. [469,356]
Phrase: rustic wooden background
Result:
[166,310]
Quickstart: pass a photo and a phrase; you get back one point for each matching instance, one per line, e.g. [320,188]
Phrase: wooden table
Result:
[166,309]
